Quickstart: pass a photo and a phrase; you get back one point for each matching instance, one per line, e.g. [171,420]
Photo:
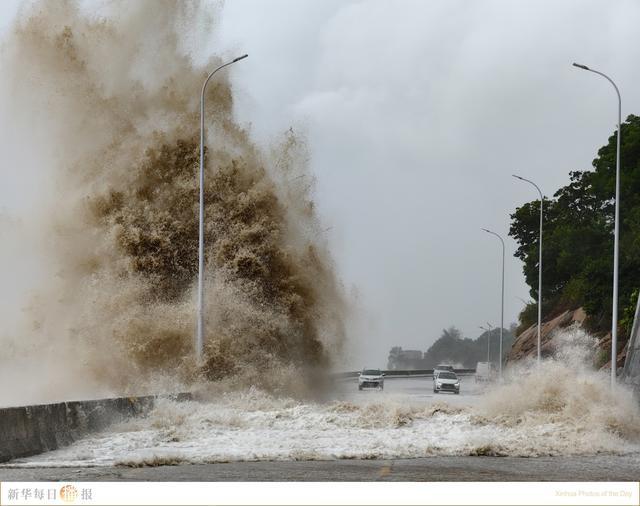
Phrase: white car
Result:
[446,381]
[371,378]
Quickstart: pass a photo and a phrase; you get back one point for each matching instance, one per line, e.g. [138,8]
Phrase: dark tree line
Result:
[452,347]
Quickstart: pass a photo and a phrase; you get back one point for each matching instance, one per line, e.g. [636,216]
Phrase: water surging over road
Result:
[118,104]
[565,409]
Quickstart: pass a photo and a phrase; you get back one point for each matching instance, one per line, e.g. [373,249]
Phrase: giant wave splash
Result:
[116,95]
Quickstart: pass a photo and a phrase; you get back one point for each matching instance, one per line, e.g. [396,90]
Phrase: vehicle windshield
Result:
[447,375]
[371,372]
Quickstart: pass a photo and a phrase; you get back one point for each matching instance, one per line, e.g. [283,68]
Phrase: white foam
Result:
[255,426]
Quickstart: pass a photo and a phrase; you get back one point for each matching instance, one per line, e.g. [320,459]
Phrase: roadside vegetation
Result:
[454,349]
[578,240]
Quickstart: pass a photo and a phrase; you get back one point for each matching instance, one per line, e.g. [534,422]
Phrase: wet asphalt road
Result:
[598,468]
[419,390]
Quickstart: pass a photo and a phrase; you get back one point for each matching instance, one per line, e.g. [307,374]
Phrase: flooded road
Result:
[403,432]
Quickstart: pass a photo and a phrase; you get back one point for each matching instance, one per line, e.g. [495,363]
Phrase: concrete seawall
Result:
[29,430]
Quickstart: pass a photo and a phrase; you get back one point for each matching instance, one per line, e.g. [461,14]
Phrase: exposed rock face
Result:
[526,344]
[605,344]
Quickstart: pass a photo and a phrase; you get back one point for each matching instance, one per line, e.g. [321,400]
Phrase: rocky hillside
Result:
[526,343]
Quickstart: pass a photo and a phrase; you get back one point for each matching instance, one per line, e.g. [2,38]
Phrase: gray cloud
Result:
[417,114]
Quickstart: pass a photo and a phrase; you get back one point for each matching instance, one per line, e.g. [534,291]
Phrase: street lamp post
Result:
[539,267]
[502,306]
[488,330]
[489,344]
[616,233]
[200,324]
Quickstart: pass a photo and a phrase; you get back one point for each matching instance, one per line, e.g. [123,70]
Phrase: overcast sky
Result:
[416,114]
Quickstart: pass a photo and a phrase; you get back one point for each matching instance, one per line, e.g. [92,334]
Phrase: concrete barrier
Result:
[29,430]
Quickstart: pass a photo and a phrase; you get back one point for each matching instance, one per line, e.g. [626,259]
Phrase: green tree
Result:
[453,347]
[578,236]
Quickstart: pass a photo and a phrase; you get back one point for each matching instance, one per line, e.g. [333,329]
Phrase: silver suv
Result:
[371,378]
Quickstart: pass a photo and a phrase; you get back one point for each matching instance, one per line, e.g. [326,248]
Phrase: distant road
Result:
[418,388]
[598,468]
[403,373]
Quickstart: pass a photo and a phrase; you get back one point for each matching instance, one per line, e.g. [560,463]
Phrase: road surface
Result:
[598,468]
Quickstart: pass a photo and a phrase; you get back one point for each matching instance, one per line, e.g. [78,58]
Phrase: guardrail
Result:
[402,374]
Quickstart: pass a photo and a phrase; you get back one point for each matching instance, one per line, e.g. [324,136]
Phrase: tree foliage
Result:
[578,236]
[453,348]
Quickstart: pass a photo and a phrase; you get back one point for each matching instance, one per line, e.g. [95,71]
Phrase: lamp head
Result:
[580,66]
[240,58]
[518,177]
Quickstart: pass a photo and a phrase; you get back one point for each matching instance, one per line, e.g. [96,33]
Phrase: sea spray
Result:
[567,395]
[116,94]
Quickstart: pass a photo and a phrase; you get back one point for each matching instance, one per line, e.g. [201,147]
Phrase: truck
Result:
[483,372]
